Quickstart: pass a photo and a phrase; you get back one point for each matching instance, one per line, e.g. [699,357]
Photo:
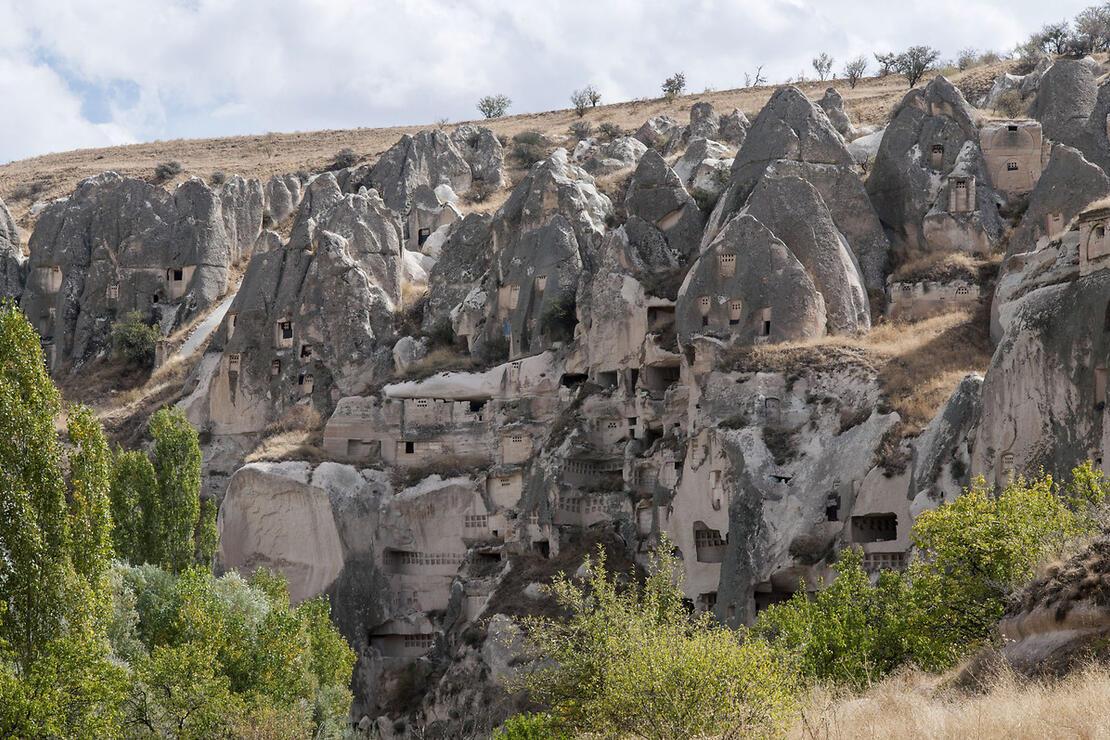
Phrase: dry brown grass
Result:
[913,705]
[54,175]
[124,414]
[918,364]
[944,266]
[297,435]
[439,360]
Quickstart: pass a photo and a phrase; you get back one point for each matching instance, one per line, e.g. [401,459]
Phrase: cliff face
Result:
[692,351]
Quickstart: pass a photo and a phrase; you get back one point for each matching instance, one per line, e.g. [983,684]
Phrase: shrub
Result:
[1010,104]
[343,159]
[630,660]
[674,86]
[967,58]
[559,319]
[854,70]
[219,177]
[530,727]
[915,61]
[581,130]
[972,554]
[134,340]
[494,106]
[167,171]
[609,131]
[529,147]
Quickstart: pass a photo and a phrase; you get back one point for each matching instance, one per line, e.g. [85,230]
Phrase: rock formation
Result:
[11,257]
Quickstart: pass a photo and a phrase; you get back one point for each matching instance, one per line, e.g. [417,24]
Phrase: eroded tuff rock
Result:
[661,133]
[1066,95]
[1066,186]
[11,257]
[119,245]
[618,154]
[656,196]
[792,133]
[928,183]
[308,321]
[482,150]
[282,196]
[243,203]
[733,127]
[429,158]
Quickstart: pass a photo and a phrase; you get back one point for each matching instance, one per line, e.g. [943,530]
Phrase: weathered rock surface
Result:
[119,245]
[482,150]
[11,257]
[833,105]
[620,153]
[656,195]
[283,196]
[429,158]
[661,133]
[1066,95]
[733,127]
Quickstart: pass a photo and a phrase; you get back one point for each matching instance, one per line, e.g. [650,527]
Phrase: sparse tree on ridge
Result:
[494,106]
[822,64]
[854,70]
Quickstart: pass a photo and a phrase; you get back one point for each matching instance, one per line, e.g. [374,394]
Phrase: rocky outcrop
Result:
[429,158]
[119,245]
[656,196]
[1067,185]
[11,257]
[1066,96]
[309,321]
[482,150]
[704,169]
[243,203]
[282,196]
[928,184]
[704,122]
[746,285]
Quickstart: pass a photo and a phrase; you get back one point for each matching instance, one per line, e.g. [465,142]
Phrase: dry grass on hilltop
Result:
[54,175]
[918,364]
[913,704]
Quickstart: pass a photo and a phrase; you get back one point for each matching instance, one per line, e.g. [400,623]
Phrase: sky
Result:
[88,73]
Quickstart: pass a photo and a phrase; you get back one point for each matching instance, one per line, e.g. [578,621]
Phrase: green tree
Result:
[629,660]
[90,520]
[208,534]
[34,535]
[177,462]
[135,340]
[134,507]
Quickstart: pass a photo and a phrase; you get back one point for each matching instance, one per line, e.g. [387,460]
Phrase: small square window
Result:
[1011,166]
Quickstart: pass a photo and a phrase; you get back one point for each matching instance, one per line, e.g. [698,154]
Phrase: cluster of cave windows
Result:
[476,521]
[406,557]
[419,642]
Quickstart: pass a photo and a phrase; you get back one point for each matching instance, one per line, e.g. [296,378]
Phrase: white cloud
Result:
[212,67]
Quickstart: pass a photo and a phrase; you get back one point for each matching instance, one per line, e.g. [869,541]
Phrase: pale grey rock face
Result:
[942,452]
[283,197]
[465,258]
[12,261]
[833,105]
[661,133]
[620,153]
[769,290]
[656,196]
[932,138]
[704,122]
[554,187]
[814,239]
[119,245]
[483,152]
[1044,392]
[696,153]
[1067,185]
[429,158]
[312,320]
[793,136]
[1066,96]
[733,127]
[243,203]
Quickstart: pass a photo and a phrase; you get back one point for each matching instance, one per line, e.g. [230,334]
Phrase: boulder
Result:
[464,259]
[733,127]
[661,133]
[619,154]
[1066,96]
[704,122]
[833,105]
[701,156]
[408,352]
[482,150]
